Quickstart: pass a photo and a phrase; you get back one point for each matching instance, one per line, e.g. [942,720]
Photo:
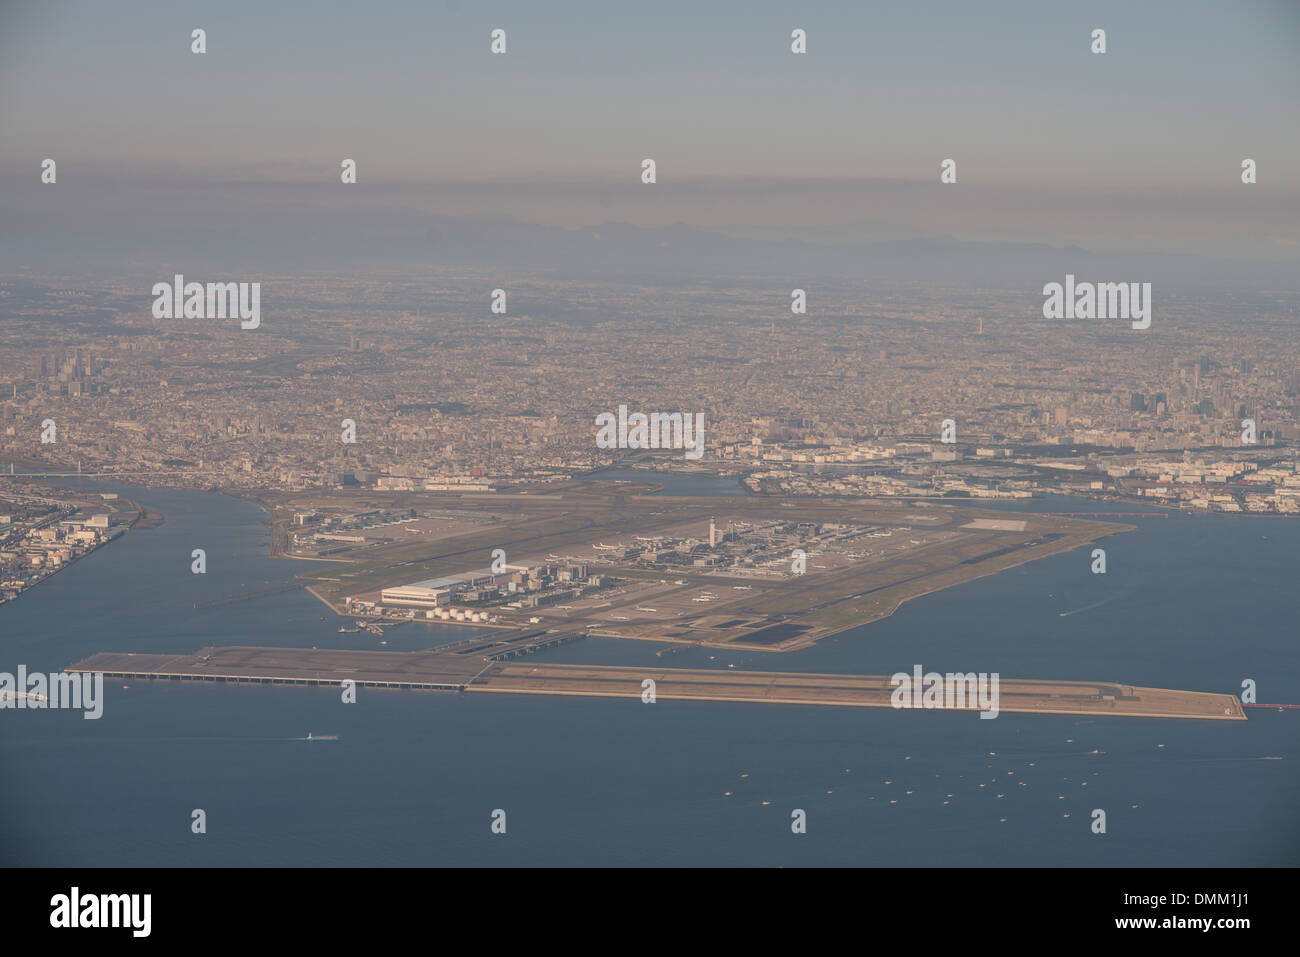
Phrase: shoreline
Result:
[68,564]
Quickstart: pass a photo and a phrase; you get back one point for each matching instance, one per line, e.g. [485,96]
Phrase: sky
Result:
[1139,148]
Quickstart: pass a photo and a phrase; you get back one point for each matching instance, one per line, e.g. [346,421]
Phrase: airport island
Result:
[618,560]
[614,559]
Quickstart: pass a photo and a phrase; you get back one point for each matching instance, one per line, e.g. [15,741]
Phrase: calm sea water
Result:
[1188,602]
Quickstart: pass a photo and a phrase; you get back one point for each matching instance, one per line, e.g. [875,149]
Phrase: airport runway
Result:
[472,666]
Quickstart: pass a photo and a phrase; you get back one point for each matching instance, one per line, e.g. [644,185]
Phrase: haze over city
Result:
[590,434]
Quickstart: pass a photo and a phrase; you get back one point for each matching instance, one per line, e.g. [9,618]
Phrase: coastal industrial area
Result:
[44,530]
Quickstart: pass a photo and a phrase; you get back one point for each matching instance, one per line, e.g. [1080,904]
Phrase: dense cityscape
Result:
[1202,410]
[590,436]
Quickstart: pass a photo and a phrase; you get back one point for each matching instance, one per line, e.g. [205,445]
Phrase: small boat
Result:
[22,695]
[319,737]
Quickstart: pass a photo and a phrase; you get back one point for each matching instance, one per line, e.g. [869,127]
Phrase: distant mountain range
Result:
[247,237]
[621,249]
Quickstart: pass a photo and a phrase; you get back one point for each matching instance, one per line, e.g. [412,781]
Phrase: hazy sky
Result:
[1141,146]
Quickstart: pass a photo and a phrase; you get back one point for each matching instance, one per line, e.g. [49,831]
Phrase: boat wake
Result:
[1077,611]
